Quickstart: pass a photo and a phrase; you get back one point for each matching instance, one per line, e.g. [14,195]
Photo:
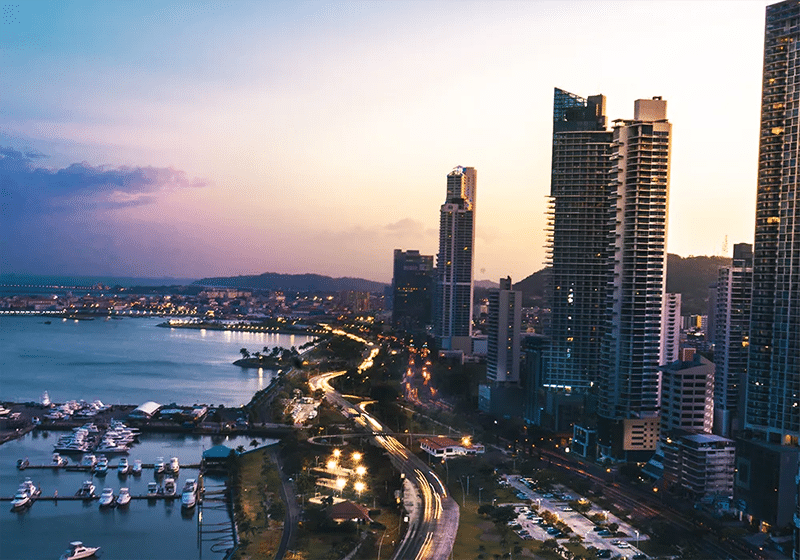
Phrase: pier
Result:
[74,467]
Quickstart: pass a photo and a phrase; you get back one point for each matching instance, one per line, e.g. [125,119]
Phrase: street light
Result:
[479,495]
[340,484]
[361,470]
[637,538]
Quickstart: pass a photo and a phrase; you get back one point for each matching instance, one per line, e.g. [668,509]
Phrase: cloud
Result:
[68,219]
[26,188]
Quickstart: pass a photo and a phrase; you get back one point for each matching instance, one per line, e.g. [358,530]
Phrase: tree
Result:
[254,444]
[245,353]
[240,449]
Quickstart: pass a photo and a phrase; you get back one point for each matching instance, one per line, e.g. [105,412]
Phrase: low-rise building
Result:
[443,447]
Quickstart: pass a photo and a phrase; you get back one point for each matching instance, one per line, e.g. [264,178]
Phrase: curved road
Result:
[433,524]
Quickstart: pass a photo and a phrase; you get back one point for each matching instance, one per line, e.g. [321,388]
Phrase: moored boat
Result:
[86,491]
[124,497]
[189,494]
[101,467]
[22,464]
[170,489]
[158,466]
[107,498]
[123,467]
[20,500]
[30,488]
[76,551]
[88,461]
[152,489]
[59,461]
[174,465]
[136,469]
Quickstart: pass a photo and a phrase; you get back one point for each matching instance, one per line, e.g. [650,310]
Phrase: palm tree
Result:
[245,353]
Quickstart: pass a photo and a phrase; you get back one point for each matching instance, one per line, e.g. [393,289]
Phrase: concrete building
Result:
[772,418]
[670,329]
[731,339]
[454,263]
[703,464]
[687,394]
[412,291]
[505,318]
[631,347]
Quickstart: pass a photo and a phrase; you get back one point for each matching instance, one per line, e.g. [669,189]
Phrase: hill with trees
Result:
[307,283]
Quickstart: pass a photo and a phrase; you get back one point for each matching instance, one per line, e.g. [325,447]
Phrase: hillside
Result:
[295,283]
[689,276]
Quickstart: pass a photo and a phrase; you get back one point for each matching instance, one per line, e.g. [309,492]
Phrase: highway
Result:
[433,524]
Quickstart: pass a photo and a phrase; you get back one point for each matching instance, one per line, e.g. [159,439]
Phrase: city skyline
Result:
[243,138]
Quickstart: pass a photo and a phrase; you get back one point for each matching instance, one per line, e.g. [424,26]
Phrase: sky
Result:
[192,139]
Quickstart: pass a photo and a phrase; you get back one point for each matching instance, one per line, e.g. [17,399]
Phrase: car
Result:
[604,533]
[605,553]
[623,544]
[567,508]
[640,557]
[599,528]
[552,531]
[548,495]
[615,542]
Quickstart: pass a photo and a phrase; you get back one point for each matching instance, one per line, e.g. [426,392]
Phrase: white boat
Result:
[174,465]
[29,488]
[124,497]
[101,467]
[189,494]
[23,464]
[88,460]
[20,500]
[158,466]
[152,489]
[136,469]
[76,551]
[107,498]
[86,490]
[123,467]
[59,461]
[170,489]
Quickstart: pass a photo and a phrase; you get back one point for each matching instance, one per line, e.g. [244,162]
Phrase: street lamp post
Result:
[637,539]
[479,495]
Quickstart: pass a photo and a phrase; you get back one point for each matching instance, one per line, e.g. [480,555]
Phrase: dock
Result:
[74,467]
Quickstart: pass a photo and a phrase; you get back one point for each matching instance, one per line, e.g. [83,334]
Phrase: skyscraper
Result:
[505,318]
[731,338]
[578,240]
[767,455]
[670,329]
[412,290]
[454,263]
[629,387]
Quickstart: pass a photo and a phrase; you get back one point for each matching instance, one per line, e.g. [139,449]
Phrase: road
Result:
[432,526]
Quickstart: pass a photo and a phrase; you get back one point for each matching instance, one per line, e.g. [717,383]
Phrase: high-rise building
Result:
[578,240]
[412,290]
[731,338]
[772,402]
[454,263]
[629,386]
[505,318]
[670,329]
[687,394]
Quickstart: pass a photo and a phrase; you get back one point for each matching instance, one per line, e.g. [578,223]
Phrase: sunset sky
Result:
[193,139]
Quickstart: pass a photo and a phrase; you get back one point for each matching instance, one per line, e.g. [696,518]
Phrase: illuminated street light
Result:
[336,453]
[360,486]
[361,470]
[331,465]
[356,456]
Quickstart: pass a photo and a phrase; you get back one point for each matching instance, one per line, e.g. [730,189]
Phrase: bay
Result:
[129,361]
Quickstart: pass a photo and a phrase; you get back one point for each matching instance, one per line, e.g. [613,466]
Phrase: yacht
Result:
[107,498]
[59,461]
[174,465]
[29,488]
[170,489]
[189,494]
[123,468]
[20,500]
[124,497]
[76,551]
[101,467]
[109,445]
[152,489]
[86,490]
[136,469]
[88,461]
[158,466]
[22,464]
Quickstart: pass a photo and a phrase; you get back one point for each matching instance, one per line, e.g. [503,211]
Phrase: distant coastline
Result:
[248,327]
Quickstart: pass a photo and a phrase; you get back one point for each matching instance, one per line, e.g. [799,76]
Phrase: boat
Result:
[86,490]
[124,497]
[59,461]
[189,494]
[170,489]
[107,498]
[30,488]
[158,466]
[88,461]
[136,469]
[76,551]
[152,489]
[174,466]
[22,464]
[123,467]
[101,467]
[110,446]
[20,500]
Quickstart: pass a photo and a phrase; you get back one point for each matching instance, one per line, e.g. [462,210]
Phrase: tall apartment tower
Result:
[670,329]
[731,338]
[629,386]
[412,290]
[505,320]
[454,263]
[577,240]
[769,448]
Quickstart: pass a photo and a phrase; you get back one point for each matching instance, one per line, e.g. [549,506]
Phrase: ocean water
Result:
[129,361]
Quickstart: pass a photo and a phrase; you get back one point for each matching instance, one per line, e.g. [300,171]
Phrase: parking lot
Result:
[532,526]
